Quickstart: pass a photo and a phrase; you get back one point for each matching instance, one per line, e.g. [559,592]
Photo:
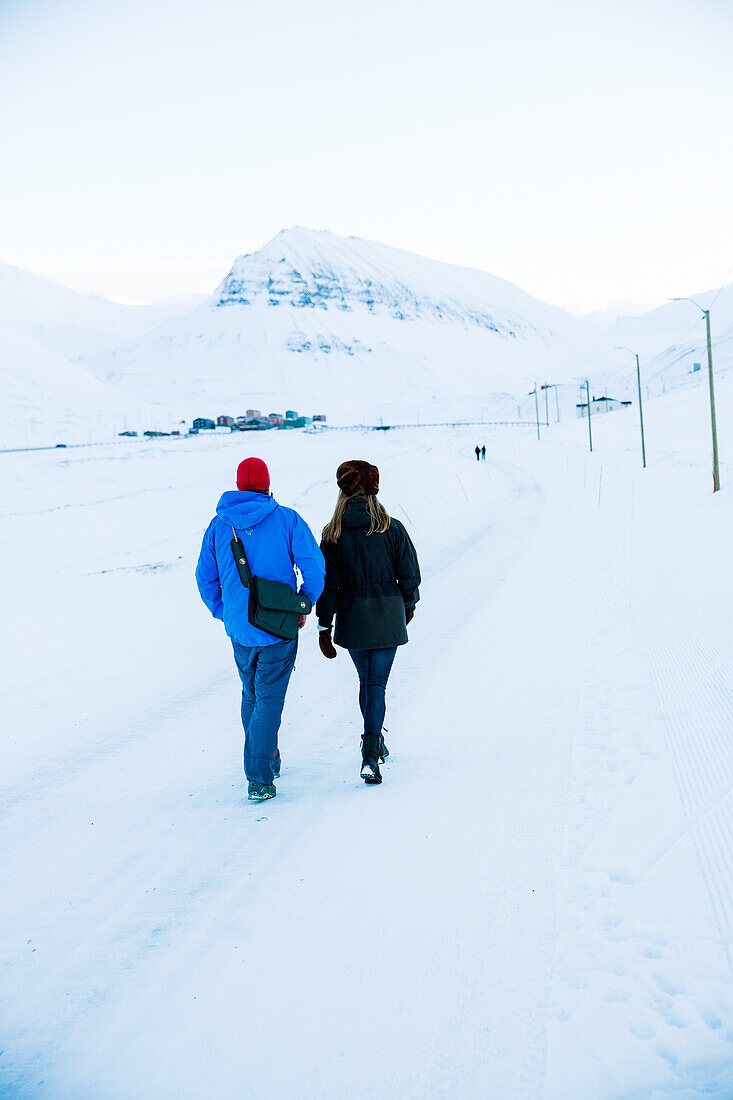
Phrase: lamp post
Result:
[713,421]
[590,430]
[536,408]
[546,387]
[641,412]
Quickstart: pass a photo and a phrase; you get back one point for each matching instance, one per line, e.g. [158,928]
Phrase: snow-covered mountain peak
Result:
[316,269]
[301,245]
[355,329]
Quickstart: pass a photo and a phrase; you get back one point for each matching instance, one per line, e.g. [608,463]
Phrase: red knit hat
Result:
[253,476]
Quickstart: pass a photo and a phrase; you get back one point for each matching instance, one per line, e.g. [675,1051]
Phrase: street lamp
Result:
[586,385]
[641,413]
[536,407]
[706,313]
[552,386]
[545,386]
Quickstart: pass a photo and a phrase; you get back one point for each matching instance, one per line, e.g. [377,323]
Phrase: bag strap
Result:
[240,560]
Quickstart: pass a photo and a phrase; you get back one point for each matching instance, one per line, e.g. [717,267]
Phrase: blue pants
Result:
[265,673]
[373,666]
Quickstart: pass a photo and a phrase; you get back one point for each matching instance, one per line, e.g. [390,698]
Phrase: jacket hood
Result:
[244,509]
[356,514]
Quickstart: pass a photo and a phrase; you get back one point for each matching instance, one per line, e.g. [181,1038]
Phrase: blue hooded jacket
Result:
[276,539]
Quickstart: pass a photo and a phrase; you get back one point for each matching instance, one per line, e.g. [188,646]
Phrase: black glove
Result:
[409,612]
[326,645]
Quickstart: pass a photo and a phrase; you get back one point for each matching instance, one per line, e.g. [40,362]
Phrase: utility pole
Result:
[547,415]
[537,410]
[713,421]
[590,430]
[641,414]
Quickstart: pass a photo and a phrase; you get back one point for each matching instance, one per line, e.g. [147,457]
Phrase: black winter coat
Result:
[371,580]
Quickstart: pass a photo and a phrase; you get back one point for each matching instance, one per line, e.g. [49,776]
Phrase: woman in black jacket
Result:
[372,578]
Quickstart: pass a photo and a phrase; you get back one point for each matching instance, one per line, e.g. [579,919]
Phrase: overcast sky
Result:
[583,150]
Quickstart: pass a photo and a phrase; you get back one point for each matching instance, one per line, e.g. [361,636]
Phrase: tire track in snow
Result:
[693,677]
[633,1015]
[132,930]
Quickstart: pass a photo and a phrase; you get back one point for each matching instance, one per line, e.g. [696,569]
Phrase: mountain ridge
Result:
[341,325]
[366,328]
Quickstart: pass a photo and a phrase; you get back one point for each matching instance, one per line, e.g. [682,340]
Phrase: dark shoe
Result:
[370,772]
[276,766]
[259,792]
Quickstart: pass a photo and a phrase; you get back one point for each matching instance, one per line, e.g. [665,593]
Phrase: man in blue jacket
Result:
[276,539]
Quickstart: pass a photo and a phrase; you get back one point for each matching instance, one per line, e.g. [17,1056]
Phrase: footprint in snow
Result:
[667,1054]
[641,1029]
[667,986]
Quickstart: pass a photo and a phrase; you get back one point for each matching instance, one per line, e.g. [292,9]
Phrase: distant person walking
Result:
[478,452]
[372,579]
[275,540]
[483,452]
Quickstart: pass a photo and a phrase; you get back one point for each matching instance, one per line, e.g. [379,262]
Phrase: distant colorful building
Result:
[254,420]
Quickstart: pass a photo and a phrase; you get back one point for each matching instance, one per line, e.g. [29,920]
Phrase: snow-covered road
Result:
[536,902]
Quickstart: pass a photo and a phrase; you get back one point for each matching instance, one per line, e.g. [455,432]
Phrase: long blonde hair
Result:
[378,516]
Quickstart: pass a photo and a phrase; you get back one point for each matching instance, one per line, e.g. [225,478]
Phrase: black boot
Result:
[370,772]
[383,750]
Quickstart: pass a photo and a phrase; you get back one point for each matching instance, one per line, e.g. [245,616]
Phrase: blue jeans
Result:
[265,673]
[373,666]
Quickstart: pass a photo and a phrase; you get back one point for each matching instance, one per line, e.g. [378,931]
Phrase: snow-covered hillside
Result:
[319,323]
[670,340]
[48,399]
[357,330]
[72,324]
[49,395]
[537,904]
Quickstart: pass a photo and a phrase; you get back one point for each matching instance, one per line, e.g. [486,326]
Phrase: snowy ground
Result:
[537,902]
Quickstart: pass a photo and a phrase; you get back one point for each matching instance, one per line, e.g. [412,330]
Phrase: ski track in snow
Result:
[649,837]
[536,902]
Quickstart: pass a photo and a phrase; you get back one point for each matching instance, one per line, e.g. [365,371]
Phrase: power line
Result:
[723,284]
